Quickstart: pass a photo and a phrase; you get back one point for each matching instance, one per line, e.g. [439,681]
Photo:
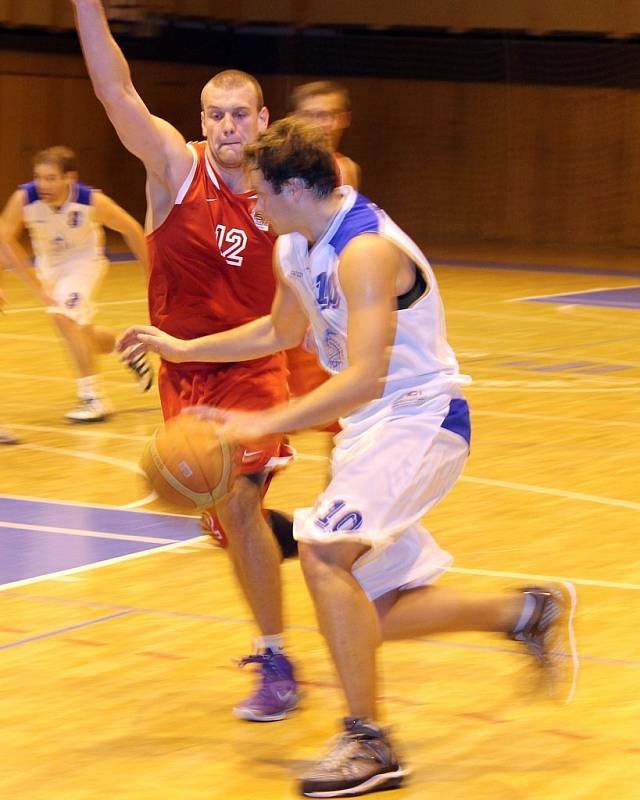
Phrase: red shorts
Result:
[306,374]
[247,386]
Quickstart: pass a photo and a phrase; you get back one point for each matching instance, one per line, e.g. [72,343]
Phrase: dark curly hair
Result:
[291,148]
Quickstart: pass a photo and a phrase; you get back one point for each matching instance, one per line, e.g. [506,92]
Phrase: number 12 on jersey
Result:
[231,243]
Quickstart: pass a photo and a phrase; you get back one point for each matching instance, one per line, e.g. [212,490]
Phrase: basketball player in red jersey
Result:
[328,106]
[210,270]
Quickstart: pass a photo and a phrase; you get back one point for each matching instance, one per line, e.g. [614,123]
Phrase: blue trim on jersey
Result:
[458,420]
[83,194]
[361,218]
[32,192]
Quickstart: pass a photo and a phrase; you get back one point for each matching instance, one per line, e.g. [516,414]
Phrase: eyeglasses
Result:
[319,116]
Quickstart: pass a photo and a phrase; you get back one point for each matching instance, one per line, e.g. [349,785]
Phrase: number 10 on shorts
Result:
[339,519]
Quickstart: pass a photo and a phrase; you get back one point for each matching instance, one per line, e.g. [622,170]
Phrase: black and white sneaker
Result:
[549,637]
[360,760]
[141,368]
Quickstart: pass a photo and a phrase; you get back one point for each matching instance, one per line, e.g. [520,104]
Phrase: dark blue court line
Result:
[307,628]
[517,267]
[58,631]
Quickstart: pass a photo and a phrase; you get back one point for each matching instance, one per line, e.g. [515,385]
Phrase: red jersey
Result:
[211,259]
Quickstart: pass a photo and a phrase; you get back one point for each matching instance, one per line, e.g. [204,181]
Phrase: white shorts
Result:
[73,285]
[385,479]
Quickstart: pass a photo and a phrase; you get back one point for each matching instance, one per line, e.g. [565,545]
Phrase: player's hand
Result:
[149,339]
[237,427]
[3,300]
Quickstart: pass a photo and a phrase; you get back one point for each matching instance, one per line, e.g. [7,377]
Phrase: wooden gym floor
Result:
[120,625]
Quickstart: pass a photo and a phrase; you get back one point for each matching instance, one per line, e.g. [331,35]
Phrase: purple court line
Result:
[58,631]
[307,628]
[469,264]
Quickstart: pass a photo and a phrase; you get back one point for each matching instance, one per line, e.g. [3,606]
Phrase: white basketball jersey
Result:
[421,356]
[68,233]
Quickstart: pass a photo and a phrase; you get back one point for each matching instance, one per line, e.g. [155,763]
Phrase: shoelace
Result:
[346,748]
[139,364]
[257,658]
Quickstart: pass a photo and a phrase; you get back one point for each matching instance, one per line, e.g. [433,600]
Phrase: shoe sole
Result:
[377,783]
[568,595]
[250,716]
[86,421]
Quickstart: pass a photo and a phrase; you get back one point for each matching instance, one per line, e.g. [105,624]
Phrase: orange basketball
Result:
[189,463]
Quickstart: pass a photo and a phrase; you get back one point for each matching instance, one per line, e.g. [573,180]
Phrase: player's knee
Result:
[314,568]
[320,561]
[241,508]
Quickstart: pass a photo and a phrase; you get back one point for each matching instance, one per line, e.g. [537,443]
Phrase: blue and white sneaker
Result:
[549,637]
[277,692]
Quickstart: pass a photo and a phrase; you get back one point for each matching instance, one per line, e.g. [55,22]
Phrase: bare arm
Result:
[11,251]
[283,328]
[368,273]
[154,141]
[109,213]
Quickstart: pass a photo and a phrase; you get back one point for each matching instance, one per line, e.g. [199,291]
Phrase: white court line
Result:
[541,318]
[116,462]
[34,499]
[29,338]
[501,355]
[565,495]
[91,534]
[98,565]
[34,377]
[144,501]
[83,433]
[556,420]
[525,576]
[547,386]
[32,309]
[580,291]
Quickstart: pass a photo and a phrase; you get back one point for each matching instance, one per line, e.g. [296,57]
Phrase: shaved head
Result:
[231,79]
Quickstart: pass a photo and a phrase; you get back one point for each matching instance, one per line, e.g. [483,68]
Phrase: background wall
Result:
[465,143]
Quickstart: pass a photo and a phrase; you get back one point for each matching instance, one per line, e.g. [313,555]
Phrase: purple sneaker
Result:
[277,693]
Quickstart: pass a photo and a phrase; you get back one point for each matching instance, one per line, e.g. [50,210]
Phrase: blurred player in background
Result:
[210,270]
[64,219]
[327,105]
[7,257]
[373,304]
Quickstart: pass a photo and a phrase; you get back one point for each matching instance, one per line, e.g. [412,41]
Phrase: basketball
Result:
[188,462]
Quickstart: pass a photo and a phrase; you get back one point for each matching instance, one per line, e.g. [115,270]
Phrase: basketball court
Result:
[120,623]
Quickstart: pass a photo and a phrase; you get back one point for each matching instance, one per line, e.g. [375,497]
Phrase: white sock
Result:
[88,387]
[274,643]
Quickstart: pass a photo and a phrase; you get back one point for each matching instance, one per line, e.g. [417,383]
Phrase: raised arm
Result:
[154,141]
[109,213]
